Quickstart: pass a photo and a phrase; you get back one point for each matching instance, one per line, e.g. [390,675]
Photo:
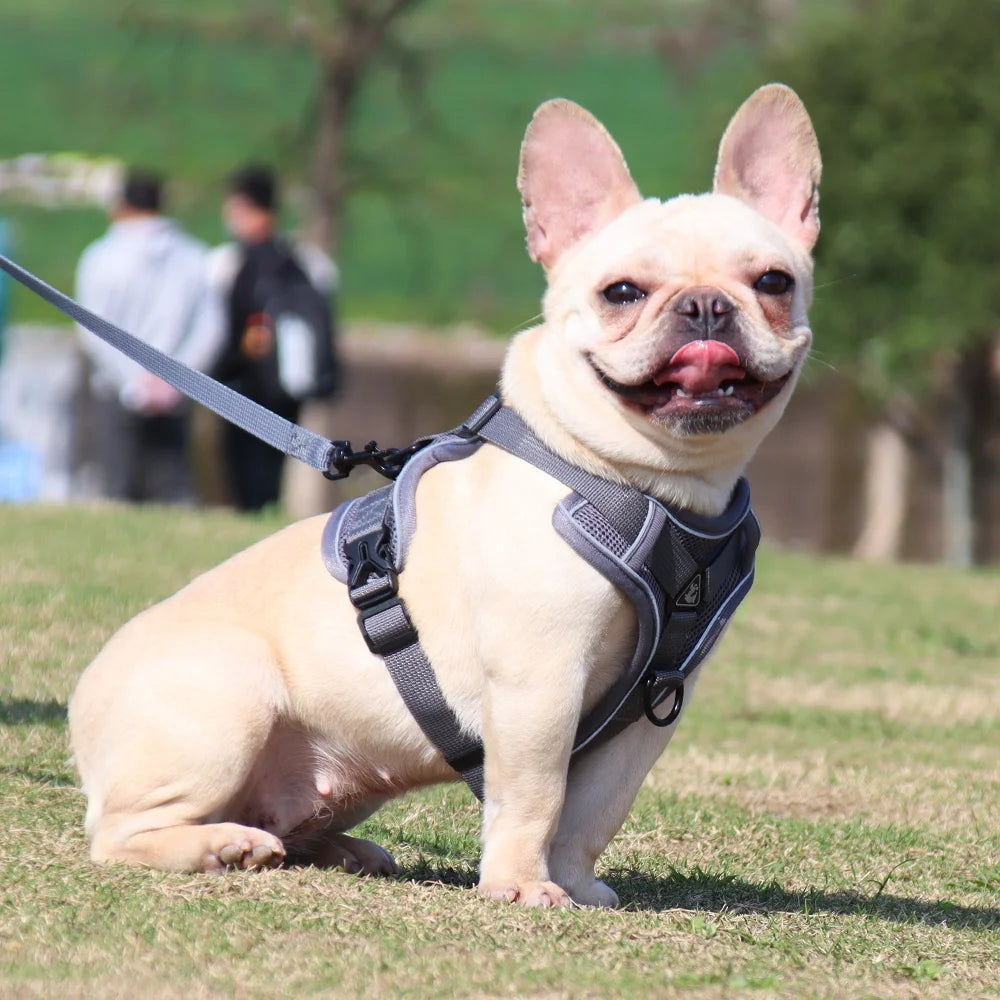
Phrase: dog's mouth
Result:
[704,378]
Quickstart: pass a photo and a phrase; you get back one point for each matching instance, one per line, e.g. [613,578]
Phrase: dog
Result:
[242,722]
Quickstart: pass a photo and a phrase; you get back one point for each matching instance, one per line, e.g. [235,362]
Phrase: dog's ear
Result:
[769,158]
[572,178]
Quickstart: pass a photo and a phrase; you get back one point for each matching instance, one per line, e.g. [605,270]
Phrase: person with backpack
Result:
[280,337]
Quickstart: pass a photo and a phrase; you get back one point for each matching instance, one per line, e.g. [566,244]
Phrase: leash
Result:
[335,459]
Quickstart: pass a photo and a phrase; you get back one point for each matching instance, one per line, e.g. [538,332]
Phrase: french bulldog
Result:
[243,722]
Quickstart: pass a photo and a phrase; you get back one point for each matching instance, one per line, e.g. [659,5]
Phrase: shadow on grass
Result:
[700,890]
[27,712]
[704,891]
[426,871]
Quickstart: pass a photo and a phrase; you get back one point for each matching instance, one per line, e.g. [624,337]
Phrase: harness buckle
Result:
[663,682]
[372,578]
[482,416]
[373,587]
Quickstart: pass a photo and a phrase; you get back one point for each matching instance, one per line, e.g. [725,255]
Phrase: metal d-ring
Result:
[674,677]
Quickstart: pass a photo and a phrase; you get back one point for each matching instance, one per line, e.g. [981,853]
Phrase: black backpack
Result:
[301,361]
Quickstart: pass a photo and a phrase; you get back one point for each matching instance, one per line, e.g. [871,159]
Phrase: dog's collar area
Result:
[684,574]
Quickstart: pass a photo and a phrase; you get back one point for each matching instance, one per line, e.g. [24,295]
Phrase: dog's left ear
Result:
[769,158]
[572,178]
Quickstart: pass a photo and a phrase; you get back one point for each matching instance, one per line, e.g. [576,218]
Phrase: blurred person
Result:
[148,276]
[279,347]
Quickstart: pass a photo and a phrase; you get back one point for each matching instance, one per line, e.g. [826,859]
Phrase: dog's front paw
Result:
[543,895]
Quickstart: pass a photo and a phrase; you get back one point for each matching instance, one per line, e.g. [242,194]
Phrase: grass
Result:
[826,823]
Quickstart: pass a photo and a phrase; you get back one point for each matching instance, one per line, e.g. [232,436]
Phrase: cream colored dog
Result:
[243,721]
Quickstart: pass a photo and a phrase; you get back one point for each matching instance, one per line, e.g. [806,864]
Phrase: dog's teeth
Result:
[682,394]
[719,392]
[729,390]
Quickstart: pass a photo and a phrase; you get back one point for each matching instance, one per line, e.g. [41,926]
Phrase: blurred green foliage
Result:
[905,97]
[432,229]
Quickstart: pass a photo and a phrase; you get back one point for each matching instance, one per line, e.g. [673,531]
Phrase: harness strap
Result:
[306,446]
[624,506]
[389,632]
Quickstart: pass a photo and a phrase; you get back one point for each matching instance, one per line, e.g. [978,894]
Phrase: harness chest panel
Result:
[683,573]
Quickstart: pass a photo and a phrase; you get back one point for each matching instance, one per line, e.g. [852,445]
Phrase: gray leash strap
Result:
[313,449]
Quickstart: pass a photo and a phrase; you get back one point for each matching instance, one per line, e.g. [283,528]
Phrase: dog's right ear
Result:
[769,158]
[572,178]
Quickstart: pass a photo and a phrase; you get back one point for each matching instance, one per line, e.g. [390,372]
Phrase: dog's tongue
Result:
[701,366]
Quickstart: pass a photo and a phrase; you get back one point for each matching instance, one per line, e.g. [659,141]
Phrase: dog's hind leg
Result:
[167,737]
[187,847]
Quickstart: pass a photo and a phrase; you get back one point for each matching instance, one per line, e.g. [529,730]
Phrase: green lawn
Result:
[826,824]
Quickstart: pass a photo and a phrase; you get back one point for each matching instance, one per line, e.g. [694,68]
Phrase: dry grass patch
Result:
[977,701]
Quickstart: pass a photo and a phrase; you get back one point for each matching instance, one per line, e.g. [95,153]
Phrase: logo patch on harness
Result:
[690,596]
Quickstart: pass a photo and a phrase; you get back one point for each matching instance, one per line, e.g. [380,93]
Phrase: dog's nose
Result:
[707,309]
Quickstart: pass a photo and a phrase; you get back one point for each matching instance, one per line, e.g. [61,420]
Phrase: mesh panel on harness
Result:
[598,527]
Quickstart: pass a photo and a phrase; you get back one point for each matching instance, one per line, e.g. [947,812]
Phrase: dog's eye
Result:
[774,283]
[623,293]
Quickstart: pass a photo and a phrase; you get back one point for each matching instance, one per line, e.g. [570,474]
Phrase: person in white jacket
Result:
[148,276]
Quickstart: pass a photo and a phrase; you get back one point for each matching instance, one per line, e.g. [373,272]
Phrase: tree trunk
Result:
[956,466]
[344,58]
[336,94]
[887,478]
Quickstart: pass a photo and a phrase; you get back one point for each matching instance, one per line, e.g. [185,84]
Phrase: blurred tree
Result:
[344,37]
[693,33]
[428,223]
[905,100]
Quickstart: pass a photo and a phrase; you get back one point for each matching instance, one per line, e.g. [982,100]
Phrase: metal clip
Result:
[388,462]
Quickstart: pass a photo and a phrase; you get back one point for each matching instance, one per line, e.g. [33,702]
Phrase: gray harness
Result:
[684,574]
